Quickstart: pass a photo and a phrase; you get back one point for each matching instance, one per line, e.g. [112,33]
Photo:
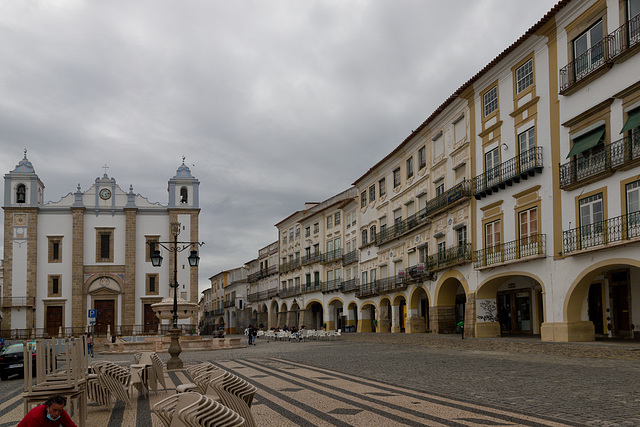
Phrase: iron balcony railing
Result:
[230,303]
[618,229]
[262,295]
[311,287]
[520,167]
[602,54]
[217,312]
[17,302]
[418,272]
[433,206]
[534,245]
[367,289]
[332,285]
[310,259]
[288,266]
[350,258]
[331,255]
[351,285]
[615,155]
[452,256]
[393,283]
[289,291]
[254,277]
[624,38]
[584,65]
[76,331]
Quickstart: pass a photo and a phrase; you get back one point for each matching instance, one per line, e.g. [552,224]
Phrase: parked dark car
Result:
[12,361]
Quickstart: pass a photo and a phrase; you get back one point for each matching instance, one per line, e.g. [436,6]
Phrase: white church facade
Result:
[88,254]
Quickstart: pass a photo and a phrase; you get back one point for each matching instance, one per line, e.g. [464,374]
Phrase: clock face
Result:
[105,193]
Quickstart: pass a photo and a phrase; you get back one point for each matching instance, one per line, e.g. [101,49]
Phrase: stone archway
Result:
[103,294]
[509,303]
[293,315]
[384,315]
[313,315]
[273,315]
[418,311]
[452,305]
[335,315]
[399,314]
[615,281]
[352,317]
[368,317]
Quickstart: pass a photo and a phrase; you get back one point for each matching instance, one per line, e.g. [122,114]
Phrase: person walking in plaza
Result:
[253,332]
[90,344]
[52,414]
[250,334]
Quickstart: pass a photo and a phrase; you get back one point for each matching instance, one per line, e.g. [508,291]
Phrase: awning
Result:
[633,121]
[584,142]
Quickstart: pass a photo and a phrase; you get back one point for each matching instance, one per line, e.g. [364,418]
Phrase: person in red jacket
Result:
[51,414]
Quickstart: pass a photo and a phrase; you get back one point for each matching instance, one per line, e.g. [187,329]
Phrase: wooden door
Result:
[150,319]
[54,320]
[105,315]
[620,306]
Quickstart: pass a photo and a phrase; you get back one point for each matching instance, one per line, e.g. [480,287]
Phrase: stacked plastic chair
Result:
[193,409]
[201,379]
[70,382]
[234,402]
[158,369]
[114,380]
[96,392]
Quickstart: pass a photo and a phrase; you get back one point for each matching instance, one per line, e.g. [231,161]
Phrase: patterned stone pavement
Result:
[388,380]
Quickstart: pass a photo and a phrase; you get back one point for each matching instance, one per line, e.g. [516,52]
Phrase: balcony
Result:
[532,246]
[624,39]
[290,292]
[582,169]
[217,312]
[231,303]
[331,256]
[453,256]
[419,273]
[367,289]
[393,283]
[332,285]
[17,302]
[262,295]
[505,174]
[612,48]
[351,285]
[254,277]
[311,287]
[614,230]
[350,258]
[435,205]
[584,66]
[310,259]
[288,266]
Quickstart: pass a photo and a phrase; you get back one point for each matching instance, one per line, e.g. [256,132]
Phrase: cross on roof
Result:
[105,167]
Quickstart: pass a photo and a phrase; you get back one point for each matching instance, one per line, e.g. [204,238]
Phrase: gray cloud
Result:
[274,103]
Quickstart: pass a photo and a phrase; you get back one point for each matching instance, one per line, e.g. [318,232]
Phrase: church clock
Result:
[105,194]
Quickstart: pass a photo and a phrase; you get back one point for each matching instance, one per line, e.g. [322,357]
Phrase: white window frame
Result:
[524,76]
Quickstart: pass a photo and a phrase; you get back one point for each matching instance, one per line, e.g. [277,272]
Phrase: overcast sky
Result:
[273,103]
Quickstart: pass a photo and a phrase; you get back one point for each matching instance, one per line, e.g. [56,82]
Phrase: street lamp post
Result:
[156,260]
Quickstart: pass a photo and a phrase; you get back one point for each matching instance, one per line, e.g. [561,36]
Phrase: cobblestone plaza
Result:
[396,379]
